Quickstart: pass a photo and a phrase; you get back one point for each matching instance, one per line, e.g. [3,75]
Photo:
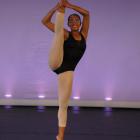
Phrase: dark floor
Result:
[38,123]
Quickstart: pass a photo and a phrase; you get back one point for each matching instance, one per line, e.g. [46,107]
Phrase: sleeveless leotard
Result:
[73,52]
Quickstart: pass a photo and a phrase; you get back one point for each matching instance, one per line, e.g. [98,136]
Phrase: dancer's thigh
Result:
[65,81]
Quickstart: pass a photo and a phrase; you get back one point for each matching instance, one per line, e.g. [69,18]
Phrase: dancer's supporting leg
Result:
[65,81]
[56,52]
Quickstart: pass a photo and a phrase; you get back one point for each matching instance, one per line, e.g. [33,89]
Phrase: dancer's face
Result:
[74,23]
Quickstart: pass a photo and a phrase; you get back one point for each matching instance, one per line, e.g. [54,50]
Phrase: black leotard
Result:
[73,52]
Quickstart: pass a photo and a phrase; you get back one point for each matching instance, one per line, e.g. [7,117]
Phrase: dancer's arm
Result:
[84,13]
[47,19]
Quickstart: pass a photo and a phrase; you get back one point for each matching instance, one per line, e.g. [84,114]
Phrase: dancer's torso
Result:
[73,52]
[74,49]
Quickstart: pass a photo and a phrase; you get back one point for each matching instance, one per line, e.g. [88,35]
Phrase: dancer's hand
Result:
[61,7]
[62,2]
[65,3]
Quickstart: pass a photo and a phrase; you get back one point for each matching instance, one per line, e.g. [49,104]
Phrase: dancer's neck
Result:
[75,32]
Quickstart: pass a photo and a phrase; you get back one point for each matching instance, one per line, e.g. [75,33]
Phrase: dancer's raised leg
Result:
[56,52]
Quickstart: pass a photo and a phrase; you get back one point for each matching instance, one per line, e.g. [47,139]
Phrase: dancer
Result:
[67,49]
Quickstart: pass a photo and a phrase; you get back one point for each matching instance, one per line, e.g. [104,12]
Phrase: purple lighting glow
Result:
[108,99]
[41,96]
[8,95]
[106,75]
[76,97]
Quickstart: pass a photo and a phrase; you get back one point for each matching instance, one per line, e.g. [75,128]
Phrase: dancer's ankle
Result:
[61,135]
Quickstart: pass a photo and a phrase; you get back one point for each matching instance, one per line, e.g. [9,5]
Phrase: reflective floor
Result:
[40,123]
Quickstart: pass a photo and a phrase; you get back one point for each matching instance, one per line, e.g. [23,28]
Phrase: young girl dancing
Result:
[67,49]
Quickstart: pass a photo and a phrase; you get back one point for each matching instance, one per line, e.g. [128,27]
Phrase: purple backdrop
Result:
[109,68]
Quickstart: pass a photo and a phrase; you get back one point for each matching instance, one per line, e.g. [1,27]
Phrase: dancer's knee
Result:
[53,64]
[63,106]
[63,103]
[55,60]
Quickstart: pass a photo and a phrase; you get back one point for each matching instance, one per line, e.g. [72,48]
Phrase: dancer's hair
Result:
[74,14]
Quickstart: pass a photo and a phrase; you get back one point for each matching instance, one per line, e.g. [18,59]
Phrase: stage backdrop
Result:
[109,69]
